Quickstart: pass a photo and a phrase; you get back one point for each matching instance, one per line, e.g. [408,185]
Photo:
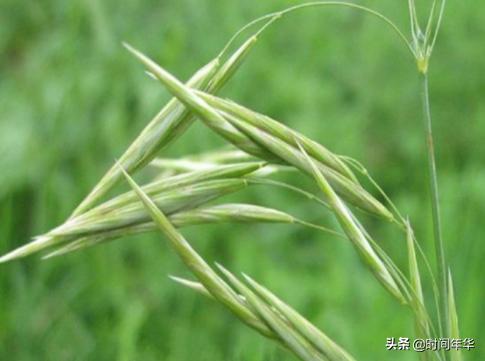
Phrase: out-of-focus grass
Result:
[71,99]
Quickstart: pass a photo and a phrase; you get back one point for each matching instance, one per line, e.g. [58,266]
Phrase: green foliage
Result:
[71,99]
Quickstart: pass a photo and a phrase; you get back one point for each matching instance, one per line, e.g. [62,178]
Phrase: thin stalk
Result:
[435,204]
[438,24]
[275,183]
[279,14]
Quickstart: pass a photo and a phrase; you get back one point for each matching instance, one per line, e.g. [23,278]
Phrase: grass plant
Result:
[181,192]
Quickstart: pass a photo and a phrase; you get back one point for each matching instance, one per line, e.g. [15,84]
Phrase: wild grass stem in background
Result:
[423,45]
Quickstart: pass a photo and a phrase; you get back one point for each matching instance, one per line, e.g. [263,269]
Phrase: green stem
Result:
[272,17]
[433,184]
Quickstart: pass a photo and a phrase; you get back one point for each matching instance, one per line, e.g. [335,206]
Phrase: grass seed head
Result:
[168,124]
[316,337]
[227,70]
[280,131]
[354,233]
[351,191]
[196,264]
[225,213]
[286,334]
[454,331]
[169,202]
[177,181]
[129,215]
[417,297]
[199,107]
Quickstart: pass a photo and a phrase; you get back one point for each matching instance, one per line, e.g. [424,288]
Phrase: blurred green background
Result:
[72,99]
